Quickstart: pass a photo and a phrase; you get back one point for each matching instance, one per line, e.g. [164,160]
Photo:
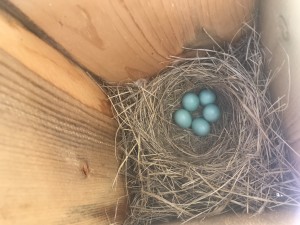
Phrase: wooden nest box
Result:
[57,134]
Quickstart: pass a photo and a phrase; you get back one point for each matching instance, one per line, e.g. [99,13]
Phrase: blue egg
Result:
[183,118]
[200,127]
[190,101]
[206,97]
[211,113]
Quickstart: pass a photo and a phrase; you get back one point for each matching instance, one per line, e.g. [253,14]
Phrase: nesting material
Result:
[241,166]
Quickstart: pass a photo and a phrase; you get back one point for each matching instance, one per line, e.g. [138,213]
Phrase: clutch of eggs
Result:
[190,103]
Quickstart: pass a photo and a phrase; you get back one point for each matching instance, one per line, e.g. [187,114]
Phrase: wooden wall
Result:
[128,39]
[57,160]
[281,35]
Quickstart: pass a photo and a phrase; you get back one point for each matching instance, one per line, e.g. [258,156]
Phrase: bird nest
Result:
[241,166]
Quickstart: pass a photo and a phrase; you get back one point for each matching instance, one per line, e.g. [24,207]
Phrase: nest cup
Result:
[242,165]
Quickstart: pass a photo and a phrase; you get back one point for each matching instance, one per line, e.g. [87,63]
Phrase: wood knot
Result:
[85,168]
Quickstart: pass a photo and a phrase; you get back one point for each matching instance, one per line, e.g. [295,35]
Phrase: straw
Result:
[242,166]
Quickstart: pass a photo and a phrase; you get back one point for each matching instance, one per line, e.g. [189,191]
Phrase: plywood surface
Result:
[129,39]
[57,161]
[281,35]
[50,64]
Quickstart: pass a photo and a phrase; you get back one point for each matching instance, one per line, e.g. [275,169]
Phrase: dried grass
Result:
[242,166]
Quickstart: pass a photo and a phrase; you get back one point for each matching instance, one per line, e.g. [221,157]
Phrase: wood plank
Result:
[50,64]
[121,40]
[57,160]
[280,34]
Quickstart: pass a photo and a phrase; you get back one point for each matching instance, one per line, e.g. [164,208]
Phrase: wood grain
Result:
[57,160]
[129,39]
[50,64]
[281,35]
